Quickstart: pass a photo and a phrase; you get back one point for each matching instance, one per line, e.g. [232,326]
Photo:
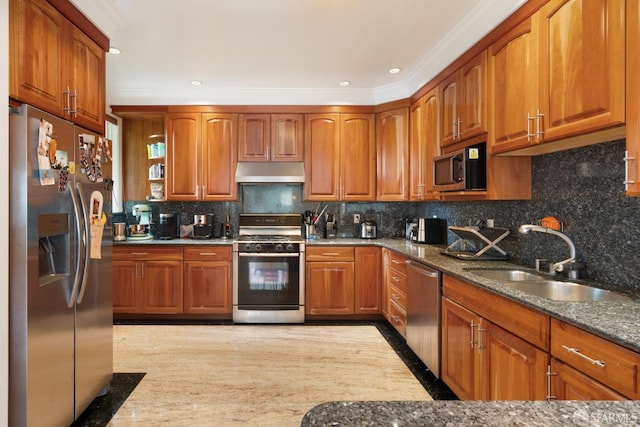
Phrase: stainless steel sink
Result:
[538,285]
[565,291]
[506,274]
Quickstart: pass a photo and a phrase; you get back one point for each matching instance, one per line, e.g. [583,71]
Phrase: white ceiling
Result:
[284,52]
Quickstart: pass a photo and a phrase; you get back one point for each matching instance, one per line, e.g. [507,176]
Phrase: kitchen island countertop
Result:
[474,413]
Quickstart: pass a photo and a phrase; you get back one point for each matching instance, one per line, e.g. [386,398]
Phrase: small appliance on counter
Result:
[368,229]
[427,230]
[331,227]
[141,230]
[119,231]
[168,227]
[203,226]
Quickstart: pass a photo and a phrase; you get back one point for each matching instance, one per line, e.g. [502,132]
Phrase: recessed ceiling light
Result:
[344,83]
[394,70]
[196,82]
[114,50]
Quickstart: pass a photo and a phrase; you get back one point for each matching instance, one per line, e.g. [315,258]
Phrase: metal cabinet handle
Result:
[74,111]
[471,326]
[67,94]
[208,253]
[480,346]
[395,279]
[539,131]
[395,261]
[459,125]
[576,351]
[549,375]
[627,181]
[530,119]
[139,253]
[330,254]
[395,297]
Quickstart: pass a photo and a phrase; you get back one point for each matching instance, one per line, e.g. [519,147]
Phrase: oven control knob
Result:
[258,247]
[247,246]
[289,247]
[279,247]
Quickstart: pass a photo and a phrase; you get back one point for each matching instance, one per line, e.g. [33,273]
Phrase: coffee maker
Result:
[142,213]
[168,226]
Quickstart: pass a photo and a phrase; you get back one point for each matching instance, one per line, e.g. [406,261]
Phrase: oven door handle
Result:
[268,255]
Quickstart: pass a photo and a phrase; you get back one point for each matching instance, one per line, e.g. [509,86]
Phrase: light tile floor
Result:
[253,375]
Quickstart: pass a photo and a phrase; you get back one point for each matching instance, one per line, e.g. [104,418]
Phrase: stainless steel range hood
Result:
[266,172]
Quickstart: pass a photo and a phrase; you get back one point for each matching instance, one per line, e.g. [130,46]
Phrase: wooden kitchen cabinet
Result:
[423,146]
[147,279]
[54,65]
[271,137]
[201,151]
[568,383]
[396,290]
[607,363]
[207,280]
[632,158]
[463,102]
[571,55]
[340,157]
[392,134]
[492,348]
[368,280]
[329,281]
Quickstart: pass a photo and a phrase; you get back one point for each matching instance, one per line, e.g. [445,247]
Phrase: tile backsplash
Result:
[581,187]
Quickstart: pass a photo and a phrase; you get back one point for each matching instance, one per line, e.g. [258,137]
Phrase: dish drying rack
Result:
[483,242]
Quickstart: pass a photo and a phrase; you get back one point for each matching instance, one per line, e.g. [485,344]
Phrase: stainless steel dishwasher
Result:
[424,291]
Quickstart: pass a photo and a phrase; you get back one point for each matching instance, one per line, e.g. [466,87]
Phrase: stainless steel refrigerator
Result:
[60,283]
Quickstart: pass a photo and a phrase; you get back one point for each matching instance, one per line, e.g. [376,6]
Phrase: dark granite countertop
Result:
[474,413]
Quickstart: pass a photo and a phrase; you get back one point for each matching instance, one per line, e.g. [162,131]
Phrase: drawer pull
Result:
[577,353]
[395,261]
[395,279]
[139,253]
[208,253]
[549,375]
[330,253]
[395,297]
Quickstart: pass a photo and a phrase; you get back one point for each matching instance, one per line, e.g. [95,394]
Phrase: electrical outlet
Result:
[356,218]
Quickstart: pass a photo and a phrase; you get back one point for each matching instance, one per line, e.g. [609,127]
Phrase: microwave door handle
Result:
[460,168]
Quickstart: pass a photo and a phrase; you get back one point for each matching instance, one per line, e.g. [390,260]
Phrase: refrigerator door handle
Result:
[85,243]
[77,278]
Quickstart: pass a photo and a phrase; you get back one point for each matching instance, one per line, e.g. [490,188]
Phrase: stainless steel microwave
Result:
[461,170]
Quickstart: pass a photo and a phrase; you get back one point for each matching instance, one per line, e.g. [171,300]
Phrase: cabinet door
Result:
[329,288]
[38,36]
[632,100]
[254,135]
[582,62]
[287,137]
[219,151]
[126,295]
[136,130]
[417,160]
[460,366]
[510,368]
[513,68]
[393,152]
[87,81]
[357,157]
[162,287]
[321,152]
[473,99]
[450,89]
[368,284]
[183,156]
[207,287]
[570,384]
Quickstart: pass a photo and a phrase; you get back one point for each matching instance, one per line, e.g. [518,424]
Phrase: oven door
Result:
[267,281]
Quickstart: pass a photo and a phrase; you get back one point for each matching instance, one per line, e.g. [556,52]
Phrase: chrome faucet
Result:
[569,265]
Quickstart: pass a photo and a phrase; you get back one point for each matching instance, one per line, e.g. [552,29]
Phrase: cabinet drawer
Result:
[143,252]
[398,262]
[207,253]
[398,280]
[609,363]
[528,324]
[399,297]
[330,253]
[398,318]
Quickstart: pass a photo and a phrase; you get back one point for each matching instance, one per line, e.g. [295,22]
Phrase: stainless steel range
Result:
[268,269]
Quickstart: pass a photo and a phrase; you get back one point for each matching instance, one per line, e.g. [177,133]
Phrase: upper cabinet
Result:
[463,101]
[423,146]
[340,157]
[557,75]
[271,137]
[392,134]
[201,151]
[54,65]
[632,158]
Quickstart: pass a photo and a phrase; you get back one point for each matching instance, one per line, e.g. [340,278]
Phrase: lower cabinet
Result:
[395,290]
[207,280]
[147,279]
[568,383]
[482,360]
[343,280]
